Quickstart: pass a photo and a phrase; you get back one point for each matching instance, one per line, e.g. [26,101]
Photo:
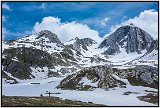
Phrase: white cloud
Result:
[6,6]
[66,31]
[147,20]
[105,21]
[4,32]
[4,18]
[43,6]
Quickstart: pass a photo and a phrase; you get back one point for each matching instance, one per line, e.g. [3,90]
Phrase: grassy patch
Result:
[42,101]
[138,82]
[151,98]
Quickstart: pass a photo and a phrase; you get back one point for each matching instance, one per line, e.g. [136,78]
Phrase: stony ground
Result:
[42,101]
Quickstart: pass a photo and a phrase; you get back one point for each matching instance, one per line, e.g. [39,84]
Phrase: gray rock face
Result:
[131,38]
[148,74]
[84,43]
[154,45]
[51,36]
[141,75]
[105,77]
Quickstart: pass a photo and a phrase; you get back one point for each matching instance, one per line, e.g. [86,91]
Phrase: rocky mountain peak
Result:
[131,24]
[51,36]
[84,43]
[129,37]
[77,38]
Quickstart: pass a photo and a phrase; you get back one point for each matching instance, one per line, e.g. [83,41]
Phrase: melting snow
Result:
[112,97]
[86,81]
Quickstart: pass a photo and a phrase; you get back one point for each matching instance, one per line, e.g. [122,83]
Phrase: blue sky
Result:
[20,17]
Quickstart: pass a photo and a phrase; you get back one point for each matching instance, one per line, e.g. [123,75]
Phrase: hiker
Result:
[41,95]
[49,93]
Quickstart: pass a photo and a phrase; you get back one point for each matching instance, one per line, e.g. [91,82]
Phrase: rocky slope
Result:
[82,44]
[109,77]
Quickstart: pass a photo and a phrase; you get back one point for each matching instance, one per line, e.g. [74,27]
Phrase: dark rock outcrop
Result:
[17,69]
[143,75]
[101,75]
[64,58]
[105,77]
[30,56]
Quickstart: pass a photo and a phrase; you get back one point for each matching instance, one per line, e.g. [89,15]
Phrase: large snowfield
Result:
[112,97]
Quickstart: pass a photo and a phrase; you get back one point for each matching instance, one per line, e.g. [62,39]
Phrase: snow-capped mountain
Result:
[43,55]
[82,46]
[130,38]
[52,38]
[46,50]
[126,58]
[128,43]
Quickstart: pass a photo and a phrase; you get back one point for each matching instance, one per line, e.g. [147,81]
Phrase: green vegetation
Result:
[18,61]
[151,98]
[139,82]
[129,92]
[30,56]
[42,101]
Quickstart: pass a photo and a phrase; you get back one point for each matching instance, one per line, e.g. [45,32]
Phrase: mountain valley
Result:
[123,66]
